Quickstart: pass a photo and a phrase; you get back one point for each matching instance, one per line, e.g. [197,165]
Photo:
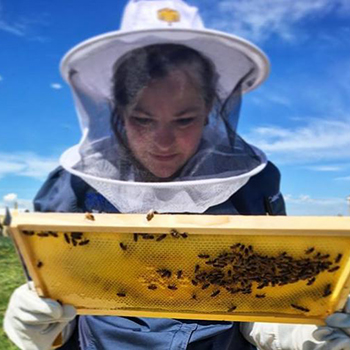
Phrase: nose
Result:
[164,137]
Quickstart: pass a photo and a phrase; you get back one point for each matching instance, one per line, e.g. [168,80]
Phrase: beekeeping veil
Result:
[223,162]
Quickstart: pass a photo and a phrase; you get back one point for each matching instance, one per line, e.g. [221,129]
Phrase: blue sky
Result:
[300,117]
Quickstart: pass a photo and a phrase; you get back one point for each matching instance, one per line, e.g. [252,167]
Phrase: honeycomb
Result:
[190,274]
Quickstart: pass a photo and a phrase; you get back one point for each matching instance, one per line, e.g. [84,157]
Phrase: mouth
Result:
[164,158]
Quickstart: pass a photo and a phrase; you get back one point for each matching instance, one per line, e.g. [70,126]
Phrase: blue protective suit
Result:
[64,192]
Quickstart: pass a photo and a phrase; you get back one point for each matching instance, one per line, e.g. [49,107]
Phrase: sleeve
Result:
[261,195]
[61,192]
[273,199]
[276,336]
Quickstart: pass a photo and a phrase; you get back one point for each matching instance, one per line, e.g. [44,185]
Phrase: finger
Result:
[347,306]
[67,312]
[322,333]
[338,320]
[28,301]
[339,344]
[34,318]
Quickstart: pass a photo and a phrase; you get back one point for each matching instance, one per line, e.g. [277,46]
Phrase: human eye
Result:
[141,120]
[185,121]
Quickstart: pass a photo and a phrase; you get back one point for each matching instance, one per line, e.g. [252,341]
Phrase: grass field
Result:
[11,276]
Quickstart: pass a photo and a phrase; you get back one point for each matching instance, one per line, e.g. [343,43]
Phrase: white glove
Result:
[336,334]
[278,336]
[33,323]
[274,336]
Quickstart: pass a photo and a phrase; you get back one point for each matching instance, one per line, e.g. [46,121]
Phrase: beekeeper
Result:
[158,104]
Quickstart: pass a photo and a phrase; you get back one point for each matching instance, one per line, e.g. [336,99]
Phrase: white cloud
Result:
[261,19]
[23,204]
[261,97]
[14,27]
[344,178]
[305,205]
[319,140]
[26,164]
[11,197]
[325,168]
[56,86]
[21,26]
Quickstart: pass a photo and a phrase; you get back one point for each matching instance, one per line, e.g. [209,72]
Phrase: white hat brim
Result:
[233,56]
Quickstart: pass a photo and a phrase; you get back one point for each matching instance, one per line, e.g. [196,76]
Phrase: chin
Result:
[164,174]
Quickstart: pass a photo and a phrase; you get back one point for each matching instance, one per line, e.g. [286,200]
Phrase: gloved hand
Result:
[33,323]
[336,335]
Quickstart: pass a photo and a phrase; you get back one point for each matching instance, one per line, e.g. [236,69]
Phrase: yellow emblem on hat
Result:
[169,15]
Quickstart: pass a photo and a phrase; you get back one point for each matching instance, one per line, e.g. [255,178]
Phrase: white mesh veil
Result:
[222,164]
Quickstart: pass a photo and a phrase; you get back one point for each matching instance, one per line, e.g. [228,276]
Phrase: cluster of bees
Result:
[242,270]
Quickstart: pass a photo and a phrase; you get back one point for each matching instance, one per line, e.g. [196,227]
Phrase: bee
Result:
[76,235]
[135,237]
[335,268]
[147,236]
[28,233]
[74,242]
[42,234]
[184,235]
[311,281]
[203,256]
[150,215]
[175,233]
[66,237]
[309,250]
[53,234]
[232,308]
[39,264]
[179,274]
[89,216]
[172,287]
[215,293]
[194,297]
[235,246]
[121,295]
[247,291]
[123,246]
[205,286]
[297,307]
[326,256]
[164,273]
[194,282]
[196,268]
[338,258]
[161,237]
[327,291]
[260,296]
[85,242]
[152,287]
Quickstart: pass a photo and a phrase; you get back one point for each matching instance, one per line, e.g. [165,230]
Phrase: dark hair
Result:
[137,68]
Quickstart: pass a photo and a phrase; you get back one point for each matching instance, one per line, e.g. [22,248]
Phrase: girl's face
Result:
[165,126]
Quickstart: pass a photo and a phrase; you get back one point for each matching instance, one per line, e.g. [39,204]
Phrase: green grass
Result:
[11,276]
